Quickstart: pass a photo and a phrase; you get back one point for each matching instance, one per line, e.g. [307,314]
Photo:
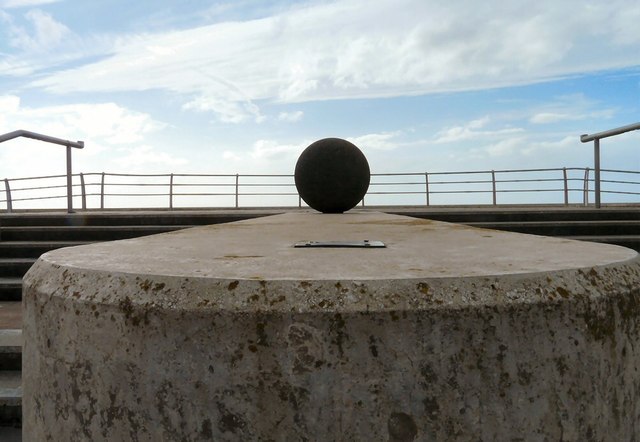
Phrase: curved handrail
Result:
[41,137]
[585,138]
[49,139]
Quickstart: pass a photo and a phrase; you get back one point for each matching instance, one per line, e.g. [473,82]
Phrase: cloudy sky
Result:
[243,86]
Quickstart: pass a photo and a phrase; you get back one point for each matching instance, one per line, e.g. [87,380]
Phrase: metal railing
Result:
[488,187]
[585,138]
[47,139]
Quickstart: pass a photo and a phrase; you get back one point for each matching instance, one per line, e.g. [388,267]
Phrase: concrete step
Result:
[33,249]
[11,319]
[82,233]
[11,348]
[566,228]
[630,241]
[10,370]
[459,214]
[10,433]
[10,397]
[132,217]
[520,214]
[10,289]
[15,267]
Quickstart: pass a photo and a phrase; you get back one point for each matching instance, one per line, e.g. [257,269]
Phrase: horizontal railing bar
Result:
[217,175]
[39,198]
[270,194]
[135,194]
[432,192]
[620,182]
[476,172]
[134,184]
[46,177]
[541,180]
[206,194]
[404,193]
[209,194]
[266,185]
[620,192]
[211,185]
[408,183]
[158,175]
[275,175]
[18,189]
[529,190]
[60,186]
[635,172]
[461,182]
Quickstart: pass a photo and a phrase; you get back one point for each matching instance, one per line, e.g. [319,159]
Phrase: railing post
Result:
[585,188]
[426,185]
[596,157]
[84,192]
[54,140]
[585,138]
[566,186]
[69,182]
[171,192]
[237,188]
[102,191]
[8,192]
[493,185]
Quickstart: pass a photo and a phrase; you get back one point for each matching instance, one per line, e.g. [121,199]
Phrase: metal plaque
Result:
[366,244]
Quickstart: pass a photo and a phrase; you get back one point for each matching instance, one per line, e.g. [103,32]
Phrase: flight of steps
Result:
[611,225]
[25,236]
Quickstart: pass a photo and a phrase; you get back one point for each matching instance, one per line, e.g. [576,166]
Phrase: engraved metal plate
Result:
[366,244]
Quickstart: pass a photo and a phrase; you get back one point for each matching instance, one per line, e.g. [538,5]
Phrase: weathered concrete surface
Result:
[227,332]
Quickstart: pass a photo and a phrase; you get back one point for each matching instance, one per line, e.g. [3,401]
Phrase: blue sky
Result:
[244,86]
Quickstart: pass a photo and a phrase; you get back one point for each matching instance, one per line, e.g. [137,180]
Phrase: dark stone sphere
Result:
[332,175]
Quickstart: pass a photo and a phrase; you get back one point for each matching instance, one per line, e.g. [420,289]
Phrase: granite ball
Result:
[332,175]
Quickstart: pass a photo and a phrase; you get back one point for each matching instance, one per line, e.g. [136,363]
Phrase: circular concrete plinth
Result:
[228,332]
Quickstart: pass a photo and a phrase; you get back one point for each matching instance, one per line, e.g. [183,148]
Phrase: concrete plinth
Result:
[227,332]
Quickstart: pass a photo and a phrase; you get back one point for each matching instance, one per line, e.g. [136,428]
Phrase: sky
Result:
[159,86]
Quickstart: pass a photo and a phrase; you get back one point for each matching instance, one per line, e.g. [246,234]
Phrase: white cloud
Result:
[8,4]
[266,156]
[525,149]
[290,117]
[550,117]
[231,156]
[570,108]
[334,50]
[509,146]
[226,110]
[103,127]
[9,104]
[145,158]
[107,122]
[272,150]
[41,43]
[471,131]
[46,33]
[377,141]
